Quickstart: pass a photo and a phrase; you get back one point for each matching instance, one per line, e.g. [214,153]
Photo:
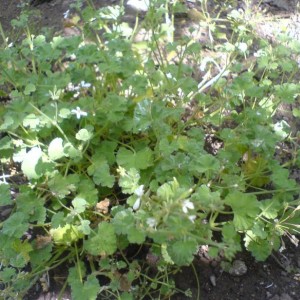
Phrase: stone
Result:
[238,268]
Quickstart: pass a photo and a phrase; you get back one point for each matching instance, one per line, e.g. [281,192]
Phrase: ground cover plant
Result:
[131,154]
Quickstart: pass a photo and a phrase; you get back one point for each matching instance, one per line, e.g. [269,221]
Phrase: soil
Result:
[278,278]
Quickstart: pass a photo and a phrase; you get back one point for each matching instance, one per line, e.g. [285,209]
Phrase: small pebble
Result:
[212,279]
[238,268]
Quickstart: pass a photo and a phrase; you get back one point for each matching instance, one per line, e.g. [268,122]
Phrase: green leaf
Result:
[142,119]
[7,274]
[139,160]
[123,221]
[31,205]
[204,163]
[107,149]
[136,235]
[22,249]
[56,149]
[208,199]
[282,129]
[39,257]
[114,107]
[6,147]
[261,249]
[84,135]
[87,191]
[287,92]
[15,225]
[87,290]
[182,252]
[126,296]
[61,186]
[5,198]
[101,173]
[232,240]
[104,242]
[57,219]
[245,208]
[29,89]
[280,178]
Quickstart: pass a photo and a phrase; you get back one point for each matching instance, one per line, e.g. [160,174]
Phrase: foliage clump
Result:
[158,144]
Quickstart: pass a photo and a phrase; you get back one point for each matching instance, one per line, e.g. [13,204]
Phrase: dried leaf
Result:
[102,206]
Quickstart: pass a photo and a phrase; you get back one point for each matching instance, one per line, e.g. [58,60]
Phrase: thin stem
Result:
[197,281]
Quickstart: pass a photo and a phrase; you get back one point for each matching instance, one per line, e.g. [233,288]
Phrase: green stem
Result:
[197,281]
[54,123]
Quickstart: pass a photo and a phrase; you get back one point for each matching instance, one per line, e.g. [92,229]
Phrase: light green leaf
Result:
[31,121]
[56,149]
[165,254]
[79,205]
[270,208]
[65,235]
[142,119]
[296,112]
[84,227]
[72,152]
[129,180]
[64,113]
[83,135]
[30,162]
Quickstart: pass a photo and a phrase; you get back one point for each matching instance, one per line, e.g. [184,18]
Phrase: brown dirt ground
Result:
[263,280]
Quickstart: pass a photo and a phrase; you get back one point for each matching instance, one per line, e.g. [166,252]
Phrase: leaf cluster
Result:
[115,141]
